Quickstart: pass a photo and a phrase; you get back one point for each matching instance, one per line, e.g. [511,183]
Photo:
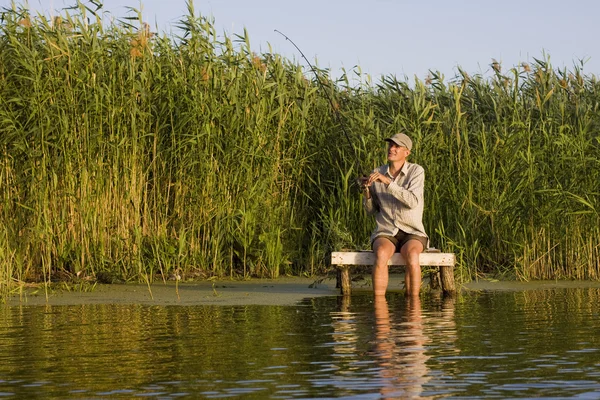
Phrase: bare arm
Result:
[368,201]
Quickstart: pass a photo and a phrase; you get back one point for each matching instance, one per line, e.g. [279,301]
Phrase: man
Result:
[394,193]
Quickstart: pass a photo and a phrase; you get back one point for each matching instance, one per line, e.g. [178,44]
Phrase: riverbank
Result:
[283,291]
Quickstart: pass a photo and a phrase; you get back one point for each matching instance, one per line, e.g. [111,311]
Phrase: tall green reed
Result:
[136,155]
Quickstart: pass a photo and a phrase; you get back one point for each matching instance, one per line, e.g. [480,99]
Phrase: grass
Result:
[141,156]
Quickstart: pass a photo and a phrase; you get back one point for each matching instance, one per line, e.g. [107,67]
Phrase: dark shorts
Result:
[402,237]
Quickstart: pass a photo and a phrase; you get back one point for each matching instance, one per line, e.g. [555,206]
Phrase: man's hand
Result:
[377,177]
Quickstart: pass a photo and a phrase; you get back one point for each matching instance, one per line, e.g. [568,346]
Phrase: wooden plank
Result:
[368,258]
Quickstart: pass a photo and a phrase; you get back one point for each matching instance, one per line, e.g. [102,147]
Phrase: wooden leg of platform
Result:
[447,277]
[345,284]
[434,280]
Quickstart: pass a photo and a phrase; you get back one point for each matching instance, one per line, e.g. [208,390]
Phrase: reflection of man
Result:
[401,350]
[394,193]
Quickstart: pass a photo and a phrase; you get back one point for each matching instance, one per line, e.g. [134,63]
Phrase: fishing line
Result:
[335,108]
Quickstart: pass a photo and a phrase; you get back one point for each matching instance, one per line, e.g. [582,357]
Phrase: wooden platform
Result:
[343,260]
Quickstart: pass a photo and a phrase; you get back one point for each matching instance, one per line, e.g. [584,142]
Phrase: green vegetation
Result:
[131,155]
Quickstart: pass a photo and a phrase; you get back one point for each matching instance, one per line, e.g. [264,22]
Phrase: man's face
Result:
[397,153]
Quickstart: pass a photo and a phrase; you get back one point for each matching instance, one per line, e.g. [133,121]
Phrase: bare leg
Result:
[383,250]
[411,251]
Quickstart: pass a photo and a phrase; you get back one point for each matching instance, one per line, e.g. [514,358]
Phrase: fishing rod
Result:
[335,108]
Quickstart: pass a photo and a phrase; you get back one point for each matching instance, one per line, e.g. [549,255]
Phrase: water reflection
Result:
[344,329]
[402,337]
[501,345]
[400,349]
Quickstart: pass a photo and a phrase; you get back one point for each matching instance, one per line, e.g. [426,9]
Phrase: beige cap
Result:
[401,139]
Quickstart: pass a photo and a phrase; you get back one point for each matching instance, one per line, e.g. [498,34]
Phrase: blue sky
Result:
[399,37]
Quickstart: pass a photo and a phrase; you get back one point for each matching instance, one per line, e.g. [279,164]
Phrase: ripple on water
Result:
[513,344]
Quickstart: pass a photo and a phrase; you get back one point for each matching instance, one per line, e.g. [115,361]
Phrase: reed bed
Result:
[131,155]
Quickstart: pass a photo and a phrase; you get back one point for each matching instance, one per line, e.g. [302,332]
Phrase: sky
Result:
[405,38]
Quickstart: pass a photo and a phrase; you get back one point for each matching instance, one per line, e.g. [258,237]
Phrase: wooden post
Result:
[434,280]
[447,275]
[345,283]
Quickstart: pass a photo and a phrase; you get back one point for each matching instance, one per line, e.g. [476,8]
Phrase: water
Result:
[532,344]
